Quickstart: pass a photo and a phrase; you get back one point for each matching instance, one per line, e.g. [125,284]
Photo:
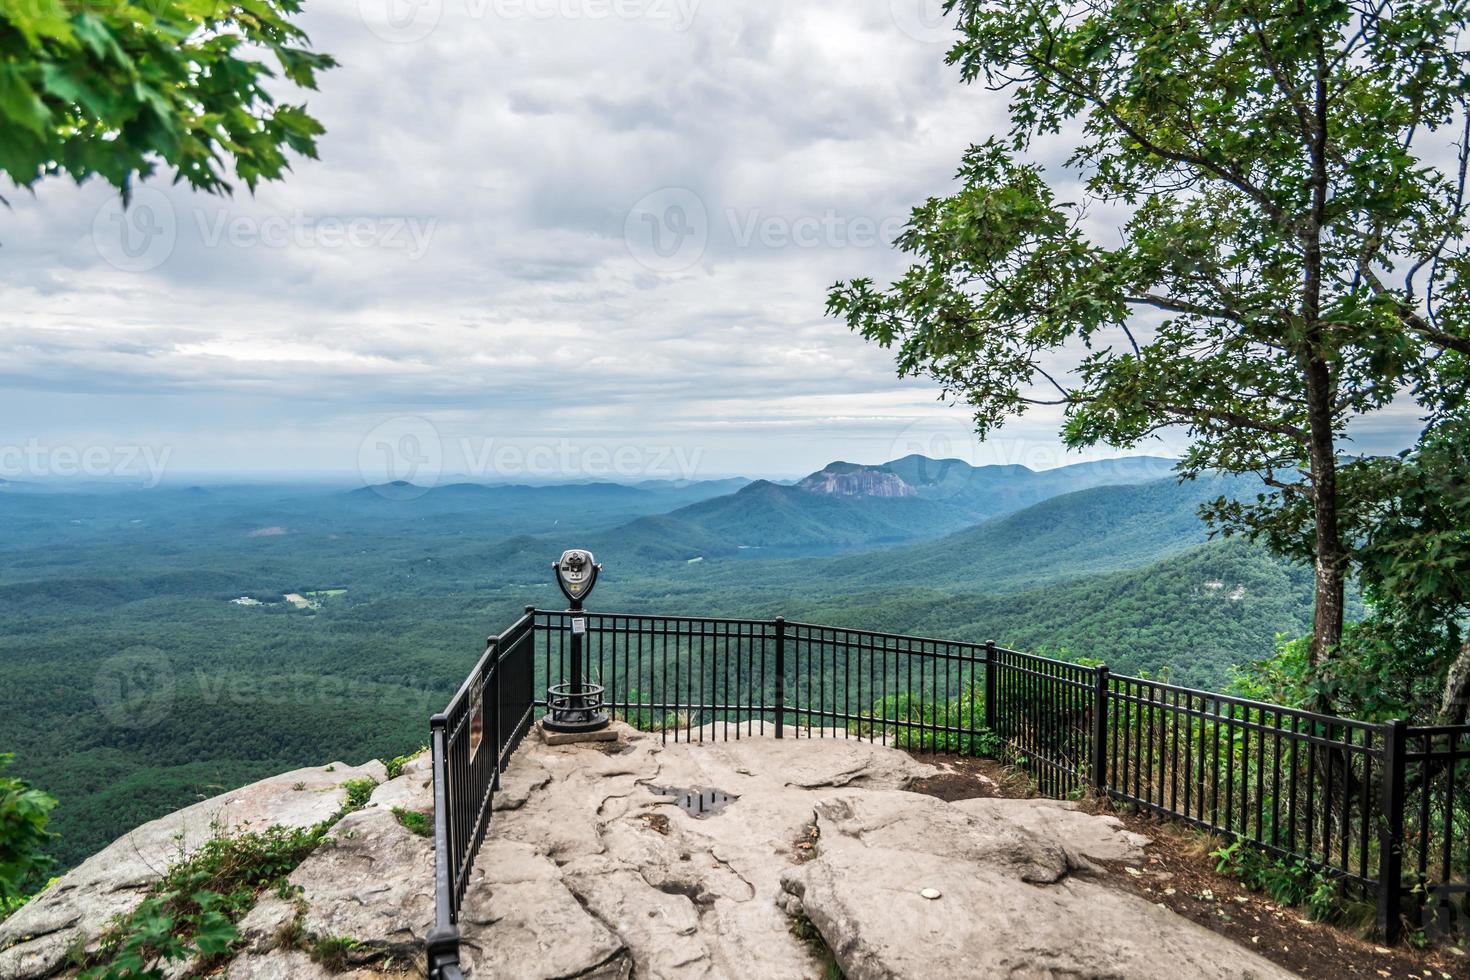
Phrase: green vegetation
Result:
[334,952]
[137,687]
[419,823]
[113,89]
[359,791]
[907,721]
[648,720]
[395,765]
[1287,882]
[24,813]
[1251,297]
[191,913]
[806,930]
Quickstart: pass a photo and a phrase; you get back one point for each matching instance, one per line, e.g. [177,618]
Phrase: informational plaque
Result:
[477,716]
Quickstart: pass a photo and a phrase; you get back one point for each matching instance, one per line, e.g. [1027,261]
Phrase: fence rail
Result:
[1383,809]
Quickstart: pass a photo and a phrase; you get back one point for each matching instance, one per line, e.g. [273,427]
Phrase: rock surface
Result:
[36,940]
[595,868]
[1010,902]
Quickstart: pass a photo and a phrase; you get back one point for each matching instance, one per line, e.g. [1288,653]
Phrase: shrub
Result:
[359,791]
[418,823]
[646,719]
[24,812]
[910,722]
[1288,882]
[395,765]
[333,953]
[193,909]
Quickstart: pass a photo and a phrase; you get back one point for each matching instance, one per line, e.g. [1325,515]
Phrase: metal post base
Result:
[573,710]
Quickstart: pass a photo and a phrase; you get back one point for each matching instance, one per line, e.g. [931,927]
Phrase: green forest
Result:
[138,685]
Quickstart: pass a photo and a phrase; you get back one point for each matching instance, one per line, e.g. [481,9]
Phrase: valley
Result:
[139,683]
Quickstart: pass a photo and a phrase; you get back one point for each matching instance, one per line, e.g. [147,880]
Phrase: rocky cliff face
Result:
[66,921]
[601,864]
[848,480]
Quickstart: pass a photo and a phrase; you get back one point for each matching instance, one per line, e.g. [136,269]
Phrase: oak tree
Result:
[112,87]
[1290,256]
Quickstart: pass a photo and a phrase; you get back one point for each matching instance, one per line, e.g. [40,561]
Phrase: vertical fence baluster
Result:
[780,692]
[1391,833]
[1100,728]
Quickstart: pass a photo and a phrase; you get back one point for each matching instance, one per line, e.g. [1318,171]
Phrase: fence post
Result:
[492,646]
[990,686]
[1391,834]
[1100,730]
[780,676]
[442,941]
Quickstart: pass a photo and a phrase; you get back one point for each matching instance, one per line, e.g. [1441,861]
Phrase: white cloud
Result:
[459,251]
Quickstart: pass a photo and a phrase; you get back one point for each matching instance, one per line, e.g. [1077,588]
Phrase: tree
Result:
[1291,260]
[23,835]
[108,89]
[1414,562]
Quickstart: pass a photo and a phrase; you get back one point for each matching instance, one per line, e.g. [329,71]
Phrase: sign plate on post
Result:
[579,626]
[477,716]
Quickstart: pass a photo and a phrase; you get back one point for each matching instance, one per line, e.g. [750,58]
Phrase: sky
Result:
[544,239]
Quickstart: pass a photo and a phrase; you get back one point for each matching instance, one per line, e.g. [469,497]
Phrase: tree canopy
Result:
[1291,258]
[110,89]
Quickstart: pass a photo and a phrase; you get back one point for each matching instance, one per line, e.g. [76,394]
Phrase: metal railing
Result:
[471,741]
[1383,809]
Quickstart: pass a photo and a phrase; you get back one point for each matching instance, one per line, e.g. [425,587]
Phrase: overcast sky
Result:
[544,237]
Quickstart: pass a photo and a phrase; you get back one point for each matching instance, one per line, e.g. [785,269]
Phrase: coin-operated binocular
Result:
[575,706]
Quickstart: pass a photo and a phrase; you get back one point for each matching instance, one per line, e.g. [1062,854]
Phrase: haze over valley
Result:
[162,644]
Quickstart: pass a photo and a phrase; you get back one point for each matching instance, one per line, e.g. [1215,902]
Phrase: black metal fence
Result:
[471,741]
[1382,809]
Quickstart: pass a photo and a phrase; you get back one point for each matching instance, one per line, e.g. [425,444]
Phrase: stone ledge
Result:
[608,734]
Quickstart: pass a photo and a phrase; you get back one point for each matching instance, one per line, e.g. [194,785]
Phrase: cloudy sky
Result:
[580,237]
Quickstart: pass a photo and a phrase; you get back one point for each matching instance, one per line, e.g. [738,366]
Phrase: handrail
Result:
[1075,726]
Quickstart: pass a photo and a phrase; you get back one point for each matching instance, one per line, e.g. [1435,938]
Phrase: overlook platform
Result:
[592,868]
[826,834]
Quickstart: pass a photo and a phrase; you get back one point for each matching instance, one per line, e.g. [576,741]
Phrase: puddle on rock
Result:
[698,803]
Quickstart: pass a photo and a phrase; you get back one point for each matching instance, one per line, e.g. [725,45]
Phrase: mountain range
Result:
[1104,560]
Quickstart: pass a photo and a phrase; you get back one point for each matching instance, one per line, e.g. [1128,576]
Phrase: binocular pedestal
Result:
[574,708]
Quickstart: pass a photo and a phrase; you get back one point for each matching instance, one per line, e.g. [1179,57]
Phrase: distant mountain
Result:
[1198,613]
[846,505]
[854,480]
[994,490]
[1064,537]
[769,516]
[710,488]
[647,497]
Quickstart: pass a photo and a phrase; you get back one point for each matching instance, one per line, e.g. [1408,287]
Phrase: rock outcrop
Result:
[653,859]
[852,480]
[70,915]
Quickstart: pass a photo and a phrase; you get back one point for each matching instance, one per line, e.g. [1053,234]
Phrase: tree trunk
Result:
[1331,565]
[1331,561]
[1456,699]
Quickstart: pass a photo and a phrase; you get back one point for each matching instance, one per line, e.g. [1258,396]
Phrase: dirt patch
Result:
[1179,874]
[656,822]
[804,848]
[964,778]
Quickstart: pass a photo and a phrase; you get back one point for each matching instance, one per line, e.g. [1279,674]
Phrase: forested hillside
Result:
[162,645]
